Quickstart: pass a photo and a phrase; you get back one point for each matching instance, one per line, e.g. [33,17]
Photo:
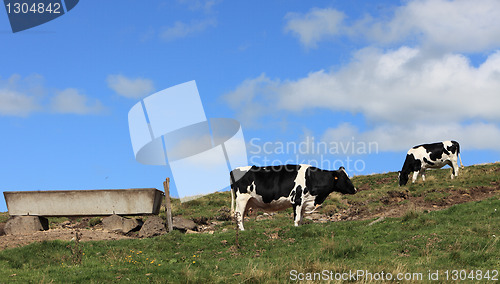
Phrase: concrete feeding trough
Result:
[102,202]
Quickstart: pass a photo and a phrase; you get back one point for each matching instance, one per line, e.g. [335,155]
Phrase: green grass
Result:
[463,236]
[4,216]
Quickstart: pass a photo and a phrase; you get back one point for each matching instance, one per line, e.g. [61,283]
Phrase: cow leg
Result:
[422,173]
[297,215]
[415,175]
[454,169]
[241,206]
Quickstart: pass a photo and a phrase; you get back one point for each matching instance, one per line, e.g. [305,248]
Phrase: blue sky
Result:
[300,74]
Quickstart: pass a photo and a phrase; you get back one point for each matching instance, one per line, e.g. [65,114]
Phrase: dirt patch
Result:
[66,231]
[363,187]
[434,200]
[394,196]
[12,241]
[396,203]
[386,180]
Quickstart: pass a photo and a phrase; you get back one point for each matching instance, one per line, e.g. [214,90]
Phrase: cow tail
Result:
[459,157]
[231,182]
[232,201]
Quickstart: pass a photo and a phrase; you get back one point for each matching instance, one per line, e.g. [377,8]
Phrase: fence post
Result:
[237,229]
[168,206]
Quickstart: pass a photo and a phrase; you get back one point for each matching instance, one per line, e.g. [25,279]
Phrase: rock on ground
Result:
[120,224]
[154,226]
[182,224]
[19,225]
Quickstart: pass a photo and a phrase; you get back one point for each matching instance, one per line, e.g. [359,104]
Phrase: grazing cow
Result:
[435,155]
[275,188]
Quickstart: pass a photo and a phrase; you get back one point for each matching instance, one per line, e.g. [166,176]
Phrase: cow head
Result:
[411,164]
[342,183]
[402,178]
[322,182]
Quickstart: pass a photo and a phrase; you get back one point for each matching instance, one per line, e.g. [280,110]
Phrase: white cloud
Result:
[130,88]
[13,103]
[399,86]
[315,25]
[403,85]
[460,25]
[181,29]
[449,26]
[251,99]
[408,94]
[183,145]
[71,101]
[204,5]
[396,90]
[391,137]
[24,96]
[21,96]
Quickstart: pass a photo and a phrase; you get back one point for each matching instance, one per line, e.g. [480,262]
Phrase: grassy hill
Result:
[439,226]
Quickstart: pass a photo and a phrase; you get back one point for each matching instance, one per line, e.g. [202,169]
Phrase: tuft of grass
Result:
[328,244]
[53,221]
[412,212]
[349,250]
[95,221]
[4,216]
[437,197]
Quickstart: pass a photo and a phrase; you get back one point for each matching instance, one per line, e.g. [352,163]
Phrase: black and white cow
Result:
[435,155]
[275,188]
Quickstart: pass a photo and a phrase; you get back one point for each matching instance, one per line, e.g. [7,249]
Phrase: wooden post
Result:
[168,206]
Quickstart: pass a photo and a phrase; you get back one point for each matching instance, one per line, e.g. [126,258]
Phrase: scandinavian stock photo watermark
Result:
[26,14]
[369,276]
[322,154]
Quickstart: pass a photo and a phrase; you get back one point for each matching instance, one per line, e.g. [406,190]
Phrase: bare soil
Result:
[398,203]
[65,233]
